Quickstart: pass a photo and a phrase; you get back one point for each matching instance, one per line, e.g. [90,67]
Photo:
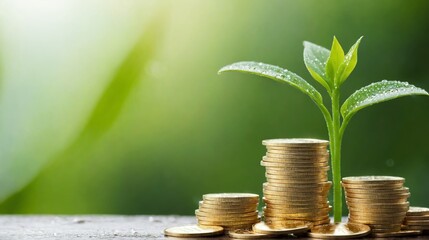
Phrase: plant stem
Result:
[335,139]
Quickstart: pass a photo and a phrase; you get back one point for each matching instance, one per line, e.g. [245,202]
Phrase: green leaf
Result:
[315,58]
[335,59]
[376,93]
[278,74]
[349,63]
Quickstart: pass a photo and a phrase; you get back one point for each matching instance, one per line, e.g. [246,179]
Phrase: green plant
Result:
[331,69]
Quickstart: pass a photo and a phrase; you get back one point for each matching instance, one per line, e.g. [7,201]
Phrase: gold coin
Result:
[295,181]
[374,231]
[373,179]
[295,194]
[378,205]
[300,167]
[297,206]
[302,216]
[301,187]
[295,142]
[289,181]
[385,226]
[248,234]
[367,222]
[227,205]
[417,218]
[376,210]
[417,222]
[285,168]
[339,231]
[295,202]
[203,213]
[263,228]
[418,227]
[287,222]
[226,223]
[298,200]
[223,204]
[376,201]
[373,220]
[298,151]
[295,174]
[309,186]
[297,146]
[226,214]
[237,227]
[316,219]
[231,197]
[297,216]
[297,197]
[298,176]
[311,209]
[281,203]
[298,157]
[371,191]
[378,196]
[378,219]
[402,233]
[313,162]
[228,208]
[315,215]
[295,166]
[313,147]
[226,211]
[373,187]
[213,220]
[194,231]
[377,215]
[417,211]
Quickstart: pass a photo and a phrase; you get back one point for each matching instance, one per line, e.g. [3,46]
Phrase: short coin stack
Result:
[377,201]
[228,210]
[417,218]
[297,188]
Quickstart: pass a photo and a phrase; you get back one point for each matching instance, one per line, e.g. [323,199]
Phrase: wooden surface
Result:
[26,227]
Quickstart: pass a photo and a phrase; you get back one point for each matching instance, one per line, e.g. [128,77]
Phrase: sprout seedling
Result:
[331,69]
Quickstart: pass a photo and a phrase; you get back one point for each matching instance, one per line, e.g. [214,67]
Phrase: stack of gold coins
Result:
[377,201]
[228,210]
[417,218]
[297,184]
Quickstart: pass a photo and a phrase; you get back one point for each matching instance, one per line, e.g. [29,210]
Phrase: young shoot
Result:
[331,68]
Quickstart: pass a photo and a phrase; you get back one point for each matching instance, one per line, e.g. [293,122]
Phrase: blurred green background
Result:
[116,106]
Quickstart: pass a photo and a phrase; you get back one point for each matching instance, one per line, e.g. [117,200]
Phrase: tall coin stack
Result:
[228,210]
[297,184]
[377,201]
